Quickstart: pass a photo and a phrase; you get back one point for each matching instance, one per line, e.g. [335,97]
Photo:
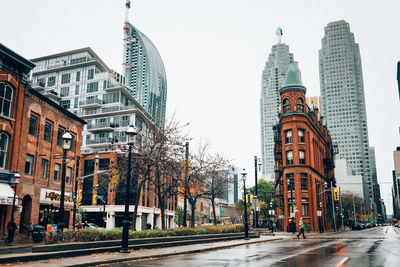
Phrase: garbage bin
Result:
[38,233]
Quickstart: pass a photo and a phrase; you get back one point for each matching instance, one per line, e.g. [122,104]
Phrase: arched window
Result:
[6,96]
[4,142]
[286,106]
[300,104]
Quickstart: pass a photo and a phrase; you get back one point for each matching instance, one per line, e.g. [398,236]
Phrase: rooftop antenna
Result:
[279,34]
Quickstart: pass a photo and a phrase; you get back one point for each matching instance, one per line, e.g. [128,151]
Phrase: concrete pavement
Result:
[115,257]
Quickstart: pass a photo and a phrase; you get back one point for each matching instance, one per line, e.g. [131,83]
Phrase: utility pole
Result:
[185,184]
[333,209]
[354,210]
[76,190]
[256,196]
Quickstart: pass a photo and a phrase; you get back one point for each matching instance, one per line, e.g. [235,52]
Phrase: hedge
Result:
[87,235]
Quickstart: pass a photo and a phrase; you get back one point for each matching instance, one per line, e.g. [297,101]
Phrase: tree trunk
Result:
[193,207]
[162,208]
[135,212]
[213,207]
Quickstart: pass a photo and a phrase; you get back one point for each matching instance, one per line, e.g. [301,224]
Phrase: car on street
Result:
[356,226]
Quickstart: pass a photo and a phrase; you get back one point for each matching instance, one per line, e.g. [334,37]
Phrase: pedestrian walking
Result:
[301,228]
[11,227]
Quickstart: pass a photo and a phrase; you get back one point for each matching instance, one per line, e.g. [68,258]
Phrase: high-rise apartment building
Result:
[342,99]
[84,85]
[145,73]
[272,79]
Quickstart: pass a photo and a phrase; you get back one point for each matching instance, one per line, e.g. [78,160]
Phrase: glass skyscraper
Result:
[272,79]
[343,100]
[145,74]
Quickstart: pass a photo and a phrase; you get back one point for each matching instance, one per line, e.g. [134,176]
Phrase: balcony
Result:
[52,94]
[102,127]
[99,142]
[114,110]
[90,103]
[38,86]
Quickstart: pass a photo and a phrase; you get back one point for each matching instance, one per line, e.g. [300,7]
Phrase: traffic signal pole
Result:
[341,207]
[333,209]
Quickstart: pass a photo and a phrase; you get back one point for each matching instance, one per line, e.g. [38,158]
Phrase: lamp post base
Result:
[125,236]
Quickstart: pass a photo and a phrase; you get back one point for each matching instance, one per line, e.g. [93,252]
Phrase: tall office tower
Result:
[144,71]
[272,79]
[342,99]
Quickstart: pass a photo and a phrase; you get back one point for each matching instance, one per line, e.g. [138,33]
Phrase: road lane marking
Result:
[340,263]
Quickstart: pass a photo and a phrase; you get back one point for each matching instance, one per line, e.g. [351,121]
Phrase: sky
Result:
[214,52]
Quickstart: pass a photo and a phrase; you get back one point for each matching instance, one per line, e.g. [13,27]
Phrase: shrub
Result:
[87,235]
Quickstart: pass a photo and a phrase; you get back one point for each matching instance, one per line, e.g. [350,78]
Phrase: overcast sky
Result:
[214,52]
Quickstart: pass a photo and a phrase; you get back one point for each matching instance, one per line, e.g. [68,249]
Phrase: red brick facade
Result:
[306,164]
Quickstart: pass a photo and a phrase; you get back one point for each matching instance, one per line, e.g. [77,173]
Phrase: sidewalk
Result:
[21,244]
[104,258]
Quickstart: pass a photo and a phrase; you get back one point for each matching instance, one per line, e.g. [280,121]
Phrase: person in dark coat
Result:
[11,227]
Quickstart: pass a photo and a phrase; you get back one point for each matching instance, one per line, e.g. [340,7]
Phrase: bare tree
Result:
[217,182]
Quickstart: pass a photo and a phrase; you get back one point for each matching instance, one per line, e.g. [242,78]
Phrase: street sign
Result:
[319,213]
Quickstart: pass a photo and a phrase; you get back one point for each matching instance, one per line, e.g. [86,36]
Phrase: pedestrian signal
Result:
[336,194]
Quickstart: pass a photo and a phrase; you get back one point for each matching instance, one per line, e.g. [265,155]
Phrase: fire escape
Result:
[279,190]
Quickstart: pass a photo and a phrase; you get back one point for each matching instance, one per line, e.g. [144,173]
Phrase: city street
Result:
[379,246]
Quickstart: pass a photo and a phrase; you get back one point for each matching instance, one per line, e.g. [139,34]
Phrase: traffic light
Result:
[94,199]
[79,197]
[336,193]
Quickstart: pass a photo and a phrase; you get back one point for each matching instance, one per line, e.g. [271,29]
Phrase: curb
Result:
[164,255]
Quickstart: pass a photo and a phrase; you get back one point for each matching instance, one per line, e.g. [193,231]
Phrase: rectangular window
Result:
[90,74]
[44,168]
[47,132]
[65,104]
[301,135]
[289,157]
[76,102]
[41,81]
[92,87]
[288,137]
[51,81]
[303,180]
[290,181]
[29,164]
[65,78]
[33,125]
[68,175]
[60,133]
[64,91]
[302,157]
[72,143]
[304,209]
[78,76]
[57,168]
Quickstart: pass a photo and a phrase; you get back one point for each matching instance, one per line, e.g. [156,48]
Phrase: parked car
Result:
[368,225]
[356,226]
[362,226]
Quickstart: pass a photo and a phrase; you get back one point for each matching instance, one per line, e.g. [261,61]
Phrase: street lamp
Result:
[66,145]
[246,224]
[255,221]
[131,132]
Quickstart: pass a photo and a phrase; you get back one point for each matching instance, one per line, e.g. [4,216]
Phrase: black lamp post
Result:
[66,145]
[130,133]
[11,230]
[76,190]
[246,223]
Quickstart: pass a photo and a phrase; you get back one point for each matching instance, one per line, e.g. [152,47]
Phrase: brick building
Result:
[32,126]
[304,162]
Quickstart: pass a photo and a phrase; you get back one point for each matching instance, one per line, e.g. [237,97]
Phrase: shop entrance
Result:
[26,213]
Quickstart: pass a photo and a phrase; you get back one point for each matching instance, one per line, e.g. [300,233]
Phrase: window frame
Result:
[4,100]
[30,171]
[303,181]
[289,161]
[289,136]
[49,133]
[300,105]
[302,160]
[301,138]
[4,152]
[45,174]
[57,172]
[30,124]
[68,177]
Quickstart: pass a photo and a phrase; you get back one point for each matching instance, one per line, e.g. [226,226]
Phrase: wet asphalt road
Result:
[379,246]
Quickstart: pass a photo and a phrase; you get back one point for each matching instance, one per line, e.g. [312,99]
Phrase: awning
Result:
[6,194]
